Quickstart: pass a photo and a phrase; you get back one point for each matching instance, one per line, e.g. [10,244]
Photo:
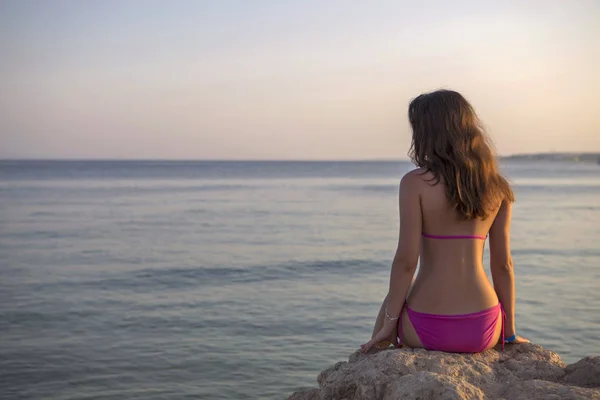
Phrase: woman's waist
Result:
[452,295]
[441,263]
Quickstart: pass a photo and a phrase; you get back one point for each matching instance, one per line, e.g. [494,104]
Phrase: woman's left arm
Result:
[406,257]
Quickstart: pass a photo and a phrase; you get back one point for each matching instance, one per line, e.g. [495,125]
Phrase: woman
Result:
[448,207]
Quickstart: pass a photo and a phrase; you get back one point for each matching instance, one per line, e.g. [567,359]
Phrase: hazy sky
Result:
[262,79]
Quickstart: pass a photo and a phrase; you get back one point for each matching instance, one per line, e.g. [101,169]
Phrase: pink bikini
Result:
[425,235]
[464,333]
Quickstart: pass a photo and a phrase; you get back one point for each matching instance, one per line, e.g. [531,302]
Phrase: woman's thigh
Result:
[498,332]
[409,335]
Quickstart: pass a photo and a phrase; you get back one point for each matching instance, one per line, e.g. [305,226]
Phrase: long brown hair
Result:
[450,142]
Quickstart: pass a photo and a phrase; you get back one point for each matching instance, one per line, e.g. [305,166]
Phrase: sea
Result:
[243,280]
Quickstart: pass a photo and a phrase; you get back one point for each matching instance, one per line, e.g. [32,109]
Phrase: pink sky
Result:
[284,80]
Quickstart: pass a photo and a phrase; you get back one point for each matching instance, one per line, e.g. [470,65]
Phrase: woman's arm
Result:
[406,257]
[501,265]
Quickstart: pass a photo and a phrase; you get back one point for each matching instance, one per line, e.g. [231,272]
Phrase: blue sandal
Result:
[510,339]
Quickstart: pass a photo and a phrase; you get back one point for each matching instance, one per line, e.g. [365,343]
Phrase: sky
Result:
[277,79]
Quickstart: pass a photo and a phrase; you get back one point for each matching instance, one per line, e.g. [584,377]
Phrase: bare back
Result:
[451,278]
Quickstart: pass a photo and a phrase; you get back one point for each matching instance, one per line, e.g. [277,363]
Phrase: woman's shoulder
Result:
[415,181]
[417,176]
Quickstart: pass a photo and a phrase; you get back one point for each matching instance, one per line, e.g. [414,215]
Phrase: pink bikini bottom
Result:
[465,333]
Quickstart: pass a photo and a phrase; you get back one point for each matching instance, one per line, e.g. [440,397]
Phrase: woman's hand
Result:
[388,333]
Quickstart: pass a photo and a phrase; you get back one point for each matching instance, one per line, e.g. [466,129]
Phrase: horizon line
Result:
[93,159]
[208,159]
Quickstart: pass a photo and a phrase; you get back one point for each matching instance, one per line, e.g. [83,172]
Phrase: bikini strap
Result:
[503,318]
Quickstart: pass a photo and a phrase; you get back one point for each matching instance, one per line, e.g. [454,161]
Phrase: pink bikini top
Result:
[454,236]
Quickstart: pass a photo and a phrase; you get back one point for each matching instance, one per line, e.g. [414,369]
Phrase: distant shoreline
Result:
[565,157]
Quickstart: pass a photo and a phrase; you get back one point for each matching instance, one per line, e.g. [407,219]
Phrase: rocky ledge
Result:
[524,371]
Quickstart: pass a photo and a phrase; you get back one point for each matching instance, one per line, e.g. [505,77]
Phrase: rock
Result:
[310,394]
[584,373]
[524,371]
[536,389]
[429,385]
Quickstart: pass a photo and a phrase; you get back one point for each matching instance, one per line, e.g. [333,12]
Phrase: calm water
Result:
[168,280]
